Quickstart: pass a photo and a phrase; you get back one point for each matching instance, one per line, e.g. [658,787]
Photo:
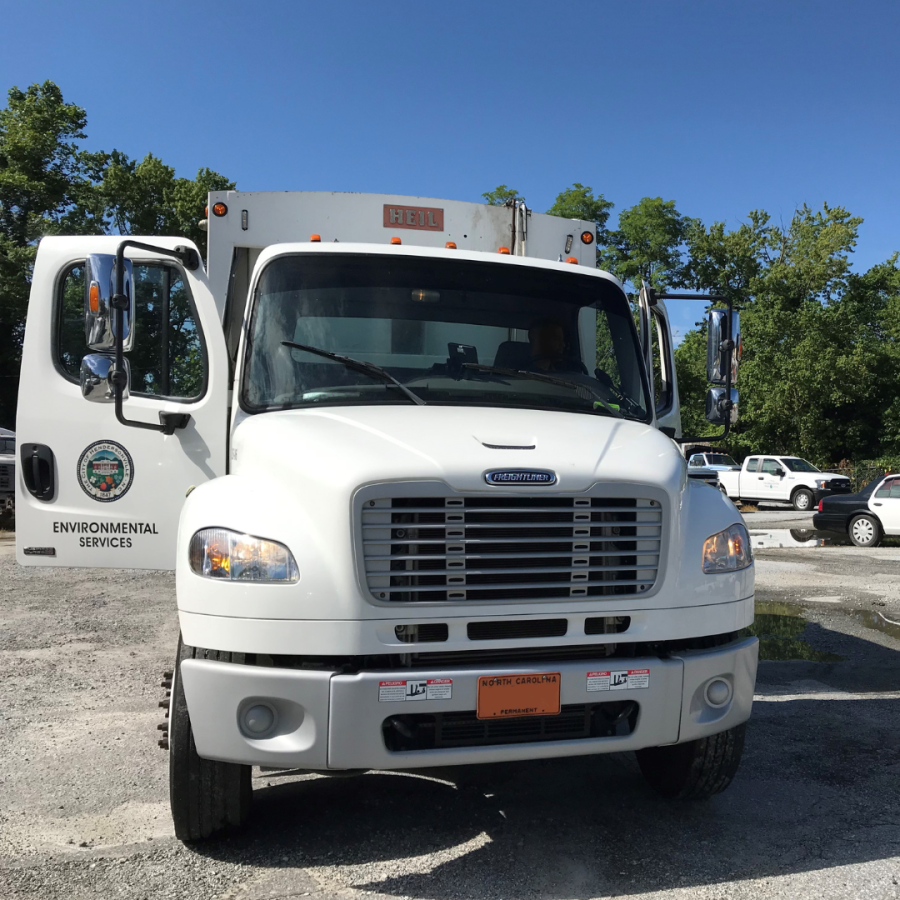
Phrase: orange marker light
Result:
[396,240]
[220,209]
[205,212]
[94,298]
[503,250]
[450,245]
[587,237]
[315,238]
[572,259]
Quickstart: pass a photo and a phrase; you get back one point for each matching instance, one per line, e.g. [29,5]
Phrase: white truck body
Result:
[783,479]
[428,563]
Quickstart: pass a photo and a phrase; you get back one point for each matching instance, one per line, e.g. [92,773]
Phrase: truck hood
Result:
[352,446]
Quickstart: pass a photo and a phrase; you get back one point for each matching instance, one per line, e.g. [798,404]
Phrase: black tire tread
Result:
[206,796]
[697,769]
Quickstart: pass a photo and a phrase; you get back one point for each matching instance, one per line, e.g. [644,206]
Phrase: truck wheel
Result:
[865,531]
[802,500]
[697,769]
[206,796]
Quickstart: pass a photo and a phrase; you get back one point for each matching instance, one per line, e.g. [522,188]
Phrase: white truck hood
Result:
[351,446]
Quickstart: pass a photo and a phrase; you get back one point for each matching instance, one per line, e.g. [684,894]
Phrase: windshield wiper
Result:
[358,365]
[548,379]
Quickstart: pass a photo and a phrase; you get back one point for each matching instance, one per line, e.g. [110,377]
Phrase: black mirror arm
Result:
[190,259]
[727,346]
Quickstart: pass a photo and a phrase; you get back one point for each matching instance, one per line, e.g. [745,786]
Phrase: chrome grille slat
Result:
[476,548]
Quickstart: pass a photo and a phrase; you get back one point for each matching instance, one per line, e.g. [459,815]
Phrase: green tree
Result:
[500,195]
[820,355]
[579,202]
[50,185]
[648,245]
[146,198]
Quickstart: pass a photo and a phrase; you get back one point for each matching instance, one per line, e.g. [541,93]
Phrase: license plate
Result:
[529,694]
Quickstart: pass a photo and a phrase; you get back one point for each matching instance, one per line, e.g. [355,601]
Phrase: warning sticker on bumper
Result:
[624,680]
[423,689]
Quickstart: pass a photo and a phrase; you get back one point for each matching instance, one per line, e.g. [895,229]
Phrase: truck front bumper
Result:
[329,720]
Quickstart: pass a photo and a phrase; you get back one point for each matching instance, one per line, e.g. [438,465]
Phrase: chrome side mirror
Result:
[99,315]
[719,410]
[96,380]
[716,334]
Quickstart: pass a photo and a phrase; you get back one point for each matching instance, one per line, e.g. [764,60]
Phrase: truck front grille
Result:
[464,729]
[428,549]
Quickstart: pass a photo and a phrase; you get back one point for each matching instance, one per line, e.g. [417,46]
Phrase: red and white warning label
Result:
[624,680]
[423,689]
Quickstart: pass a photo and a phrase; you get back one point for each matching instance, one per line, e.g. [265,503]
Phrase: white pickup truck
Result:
[785,479]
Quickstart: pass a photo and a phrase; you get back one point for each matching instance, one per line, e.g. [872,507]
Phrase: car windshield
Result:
[799,465]
[452,331]
[720,459]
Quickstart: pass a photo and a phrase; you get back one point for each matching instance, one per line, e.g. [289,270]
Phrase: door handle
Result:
[38,470]
[876,504]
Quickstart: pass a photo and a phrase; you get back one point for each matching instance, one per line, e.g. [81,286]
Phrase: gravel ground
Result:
[814,811]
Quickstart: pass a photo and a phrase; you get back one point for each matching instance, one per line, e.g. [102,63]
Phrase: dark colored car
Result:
[860,515]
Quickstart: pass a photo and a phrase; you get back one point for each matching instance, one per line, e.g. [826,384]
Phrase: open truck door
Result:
[658,348]
[95,488]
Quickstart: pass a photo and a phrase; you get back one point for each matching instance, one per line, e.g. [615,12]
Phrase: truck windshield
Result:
[439,327]
[720,459]
[799,465]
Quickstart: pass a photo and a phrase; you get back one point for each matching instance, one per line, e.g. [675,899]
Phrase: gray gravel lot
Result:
[814,811]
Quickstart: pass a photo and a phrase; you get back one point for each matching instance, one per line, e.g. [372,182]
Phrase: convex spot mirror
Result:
[96,378]
[99,315]
[716,335]
[717,409]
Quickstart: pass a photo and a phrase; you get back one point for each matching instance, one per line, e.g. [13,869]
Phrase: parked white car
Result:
[785,479]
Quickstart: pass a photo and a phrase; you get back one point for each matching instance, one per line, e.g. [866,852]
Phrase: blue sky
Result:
[722,106]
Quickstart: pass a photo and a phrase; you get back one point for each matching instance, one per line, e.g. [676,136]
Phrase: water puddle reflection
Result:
[875,620]
[795,538]
[778,627]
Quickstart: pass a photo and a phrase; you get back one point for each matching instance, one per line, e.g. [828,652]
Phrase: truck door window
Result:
[696,461]
[168,358]
[770,466]
[753,464]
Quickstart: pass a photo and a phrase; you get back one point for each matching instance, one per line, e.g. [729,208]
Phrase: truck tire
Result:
[697,769]
[802,500]
[865,531]
[206,797]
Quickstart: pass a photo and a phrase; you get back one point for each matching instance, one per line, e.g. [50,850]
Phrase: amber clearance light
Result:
[94,298]
[587,237]
[220,209]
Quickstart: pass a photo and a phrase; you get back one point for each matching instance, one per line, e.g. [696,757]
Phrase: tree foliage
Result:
[579,202]
[50,185]
[500,195]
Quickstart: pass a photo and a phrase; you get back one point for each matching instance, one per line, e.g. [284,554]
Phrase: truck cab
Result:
[423,500]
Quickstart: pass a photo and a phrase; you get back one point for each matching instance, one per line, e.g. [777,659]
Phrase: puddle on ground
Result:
[803,538]
[875,620]
[793,538]
[778,627]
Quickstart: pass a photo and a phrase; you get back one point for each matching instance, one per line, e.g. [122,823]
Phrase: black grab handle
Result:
[38,470]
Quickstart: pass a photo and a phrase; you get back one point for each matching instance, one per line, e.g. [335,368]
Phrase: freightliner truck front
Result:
[415,467]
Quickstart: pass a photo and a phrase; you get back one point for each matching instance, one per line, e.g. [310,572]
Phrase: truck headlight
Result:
[727,551]
[821,482]
[221,553]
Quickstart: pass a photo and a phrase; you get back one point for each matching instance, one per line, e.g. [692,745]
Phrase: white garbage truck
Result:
[415,467]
